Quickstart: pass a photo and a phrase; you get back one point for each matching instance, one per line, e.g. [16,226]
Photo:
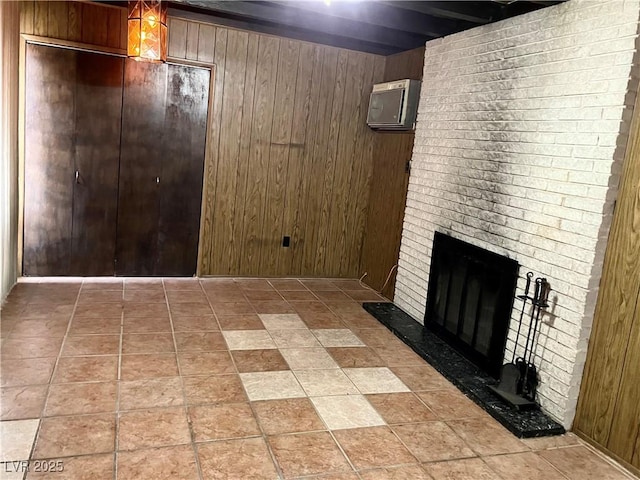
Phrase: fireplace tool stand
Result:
[519,378]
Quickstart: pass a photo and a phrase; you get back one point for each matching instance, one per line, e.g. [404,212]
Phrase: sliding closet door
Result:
[97,153]
[72,143]
[140,167]
[49,149]
[182,169]
[164,120]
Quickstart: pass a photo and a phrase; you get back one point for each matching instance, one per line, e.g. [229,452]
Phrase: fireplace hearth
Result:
[469,300]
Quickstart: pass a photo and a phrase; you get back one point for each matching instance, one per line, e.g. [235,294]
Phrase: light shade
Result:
[147,28]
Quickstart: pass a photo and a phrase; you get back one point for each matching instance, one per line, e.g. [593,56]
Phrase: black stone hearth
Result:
[472,381]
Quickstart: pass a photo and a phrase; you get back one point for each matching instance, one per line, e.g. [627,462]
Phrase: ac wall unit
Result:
[393,105]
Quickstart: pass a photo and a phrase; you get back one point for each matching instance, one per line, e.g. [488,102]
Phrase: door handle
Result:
[157,179]
[77,176]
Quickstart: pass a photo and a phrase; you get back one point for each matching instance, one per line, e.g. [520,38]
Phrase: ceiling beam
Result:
[474,12]
[293,33]
[294,18]
[382,15]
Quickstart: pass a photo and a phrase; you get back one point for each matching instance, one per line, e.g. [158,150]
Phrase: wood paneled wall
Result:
[608,411]
[84,22]
[9,56]
[289,152]
[390,180]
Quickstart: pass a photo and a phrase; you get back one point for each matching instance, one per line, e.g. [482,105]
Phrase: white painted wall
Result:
[9,36]
[521,132]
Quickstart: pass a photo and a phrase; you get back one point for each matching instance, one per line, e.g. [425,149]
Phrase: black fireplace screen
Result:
[469,300]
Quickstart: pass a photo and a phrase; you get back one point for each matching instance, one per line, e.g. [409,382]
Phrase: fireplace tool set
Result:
[519,378]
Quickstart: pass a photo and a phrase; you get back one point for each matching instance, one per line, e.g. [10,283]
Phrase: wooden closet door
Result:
[140,168]
[49,151]
[97,154]
[182,169]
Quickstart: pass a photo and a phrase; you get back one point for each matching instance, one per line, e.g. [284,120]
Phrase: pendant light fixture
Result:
[147,29]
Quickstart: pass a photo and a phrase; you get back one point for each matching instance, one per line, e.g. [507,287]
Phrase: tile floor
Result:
[240,379]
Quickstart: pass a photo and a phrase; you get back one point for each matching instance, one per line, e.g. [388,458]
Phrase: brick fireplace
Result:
[521,133]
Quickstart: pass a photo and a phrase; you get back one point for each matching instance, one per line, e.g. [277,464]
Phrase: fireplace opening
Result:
[469,300]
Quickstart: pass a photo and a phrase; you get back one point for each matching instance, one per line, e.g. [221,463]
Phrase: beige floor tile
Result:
[165,463]
[346,411]
[240,322]
[375,380]
[318,383]
[206,363]
[17,438]
[259,360]
[78,345]
[290,415]
[294,338]
[86,369]
[422,377]
[373,448]
[151,392]
[486,436]
[337,338]
[465,469]
[401,408]
[236,459]
[282,321]
[81,398]
[200,341]
[156,427]
[214,389]
[530,465]
[147,343]
[201,323]
[432,441]
[308,358]
[355,357]
[409,472]
[580,463]
[86,467]
[28,371]
[19,403]
[451,404]
[137,367]
[76,435]
[308,454]
[248,339]
[222,421]
[271,385]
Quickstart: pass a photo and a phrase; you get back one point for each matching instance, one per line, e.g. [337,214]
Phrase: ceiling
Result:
[375,26]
